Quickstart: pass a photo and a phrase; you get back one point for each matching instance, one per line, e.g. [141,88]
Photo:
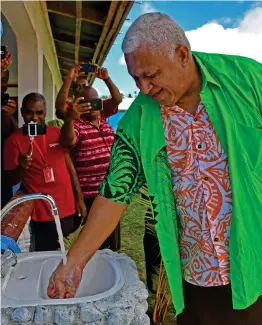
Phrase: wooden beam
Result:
[78,29]
[68,9]
[70,57]
[121,14]
[110,15]
[63,38]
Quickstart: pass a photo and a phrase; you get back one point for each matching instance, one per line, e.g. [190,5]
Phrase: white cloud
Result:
[122,61]
[245,39]
[98,91]
[147,7]
[106,90]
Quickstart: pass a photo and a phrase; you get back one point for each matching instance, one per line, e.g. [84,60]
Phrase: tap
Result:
[9,258]
[11,204]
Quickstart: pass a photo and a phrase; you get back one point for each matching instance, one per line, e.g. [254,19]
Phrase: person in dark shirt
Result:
[8,125]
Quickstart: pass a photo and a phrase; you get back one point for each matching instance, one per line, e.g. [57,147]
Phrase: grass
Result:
[132,231]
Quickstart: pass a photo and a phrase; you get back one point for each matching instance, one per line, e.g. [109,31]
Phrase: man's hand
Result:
[76,110]
[81,208]
[10,108]
[101,73]
[6,62]
[64,281]
[25,161]
[74,72]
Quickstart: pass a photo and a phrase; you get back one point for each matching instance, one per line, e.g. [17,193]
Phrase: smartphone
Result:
[4,99]
[87,68]
[3,52]
[96,104]
[33,129]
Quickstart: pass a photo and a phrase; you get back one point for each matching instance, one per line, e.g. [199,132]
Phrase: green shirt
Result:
[232,94]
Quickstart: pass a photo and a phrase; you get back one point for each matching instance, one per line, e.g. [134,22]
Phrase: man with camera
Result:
[90,137]
[8,125]
[76,78]
[43,166]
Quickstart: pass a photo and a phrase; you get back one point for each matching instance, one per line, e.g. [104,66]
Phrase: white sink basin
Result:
[25,284]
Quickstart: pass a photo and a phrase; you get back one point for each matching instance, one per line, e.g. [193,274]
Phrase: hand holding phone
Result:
[88,68]
[96,103]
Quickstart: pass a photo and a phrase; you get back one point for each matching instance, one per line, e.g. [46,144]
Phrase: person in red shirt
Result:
[48,169]
[90,137]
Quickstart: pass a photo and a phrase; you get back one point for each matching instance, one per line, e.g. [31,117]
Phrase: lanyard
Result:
[43,155]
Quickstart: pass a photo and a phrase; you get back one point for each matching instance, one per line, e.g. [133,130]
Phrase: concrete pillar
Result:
[49,91]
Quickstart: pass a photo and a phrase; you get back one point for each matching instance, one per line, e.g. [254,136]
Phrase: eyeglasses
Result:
[30,112]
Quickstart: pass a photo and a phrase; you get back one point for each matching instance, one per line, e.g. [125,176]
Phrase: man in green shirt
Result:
[194,135]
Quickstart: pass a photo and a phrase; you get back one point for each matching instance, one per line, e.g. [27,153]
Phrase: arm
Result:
[79,199]
[102,73]
[123,180]
[15,164]
[69,133]
[62,95]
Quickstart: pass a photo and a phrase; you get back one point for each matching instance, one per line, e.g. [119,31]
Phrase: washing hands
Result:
[64,281]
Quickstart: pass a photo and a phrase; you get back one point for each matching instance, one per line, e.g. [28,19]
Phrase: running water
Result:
[60,237]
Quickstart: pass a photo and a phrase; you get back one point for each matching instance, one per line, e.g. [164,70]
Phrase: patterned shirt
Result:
[202,190]
[91,153]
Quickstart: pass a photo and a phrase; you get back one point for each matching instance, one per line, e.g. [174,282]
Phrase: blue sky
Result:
[232,27]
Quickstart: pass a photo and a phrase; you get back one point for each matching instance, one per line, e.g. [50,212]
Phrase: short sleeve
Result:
[125,175]
[11,154]
[109,107]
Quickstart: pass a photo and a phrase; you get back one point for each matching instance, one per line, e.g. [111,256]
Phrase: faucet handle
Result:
[9,258]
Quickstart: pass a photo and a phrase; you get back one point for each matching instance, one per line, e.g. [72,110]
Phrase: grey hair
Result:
[158,31]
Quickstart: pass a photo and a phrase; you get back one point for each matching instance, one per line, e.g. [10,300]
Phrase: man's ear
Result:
[183,54]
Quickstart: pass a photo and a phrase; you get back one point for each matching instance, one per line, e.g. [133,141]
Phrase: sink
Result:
[25,284]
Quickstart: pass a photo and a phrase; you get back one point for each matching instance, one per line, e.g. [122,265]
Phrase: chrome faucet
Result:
[9,258]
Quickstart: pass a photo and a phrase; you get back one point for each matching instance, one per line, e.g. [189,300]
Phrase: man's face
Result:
[163,79]
[79,87]
[34,111]
[90,93]
[4,82]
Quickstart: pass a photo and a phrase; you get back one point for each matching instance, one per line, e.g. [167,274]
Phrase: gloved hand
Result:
[9,243]
[64,281]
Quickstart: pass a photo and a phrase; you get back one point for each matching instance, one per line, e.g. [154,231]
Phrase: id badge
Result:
[49,175]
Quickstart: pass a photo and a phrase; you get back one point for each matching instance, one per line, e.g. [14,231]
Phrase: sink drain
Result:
[22,277]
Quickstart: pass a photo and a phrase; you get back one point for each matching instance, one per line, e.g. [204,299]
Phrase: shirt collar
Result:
[206,74]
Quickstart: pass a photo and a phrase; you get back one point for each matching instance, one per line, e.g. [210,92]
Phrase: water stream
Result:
[60,237]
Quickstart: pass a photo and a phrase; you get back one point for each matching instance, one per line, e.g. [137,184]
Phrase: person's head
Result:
[90,93]
[79,85]
[34,108]
[4,81]
[158,57]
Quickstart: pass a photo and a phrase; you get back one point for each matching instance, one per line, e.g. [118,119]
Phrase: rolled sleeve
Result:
[125,175]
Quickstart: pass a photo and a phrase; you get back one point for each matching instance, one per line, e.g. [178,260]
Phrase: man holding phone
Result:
[76,78]
[90,137]
[44,167]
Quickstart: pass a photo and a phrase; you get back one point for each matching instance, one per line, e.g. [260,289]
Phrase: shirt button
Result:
[216,239]
[199,146]
[195,119]
[206,178]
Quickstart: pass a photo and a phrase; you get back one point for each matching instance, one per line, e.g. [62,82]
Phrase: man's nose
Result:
[145,86]
[34,117]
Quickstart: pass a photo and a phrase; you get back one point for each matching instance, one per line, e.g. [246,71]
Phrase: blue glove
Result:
[9,243]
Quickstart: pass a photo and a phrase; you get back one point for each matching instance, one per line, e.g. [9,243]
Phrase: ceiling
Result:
[85,30]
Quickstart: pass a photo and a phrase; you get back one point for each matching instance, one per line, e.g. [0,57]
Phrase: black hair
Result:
[33,97]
